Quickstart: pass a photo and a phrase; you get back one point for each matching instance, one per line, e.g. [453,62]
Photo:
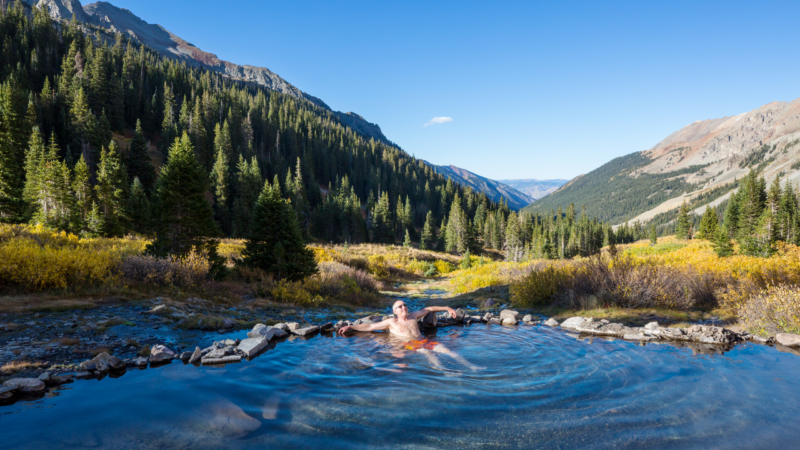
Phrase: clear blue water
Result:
[541,388]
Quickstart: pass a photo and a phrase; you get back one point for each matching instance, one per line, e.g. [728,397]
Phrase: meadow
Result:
[679,277]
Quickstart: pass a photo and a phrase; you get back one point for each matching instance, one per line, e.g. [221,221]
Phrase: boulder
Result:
[291,326]
[7,389]
[261,330]
[636,337]
[138,362]
[226,418]
[495,321]
[487,317]
[185,356]
[429,321]
[251,346]
[60,379]
[788,339]
[26,385]
[222,360]
[489,303]
[161,353]
[281,326]
[308,331]
[573,322]
[509,313]
[652,326]
[227,322]
[45,377]
[103,363]
[527,318]
[551,322]
[326,326]
[196,356]
[230,342]
[509,321]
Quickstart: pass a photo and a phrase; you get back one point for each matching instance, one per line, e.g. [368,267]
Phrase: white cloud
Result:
[438,120]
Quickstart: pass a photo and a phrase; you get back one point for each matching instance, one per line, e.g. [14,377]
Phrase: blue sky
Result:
[533,89]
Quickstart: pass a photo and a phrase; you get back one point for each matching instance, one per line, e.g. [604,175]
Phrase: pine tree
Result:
[275,244]
[139,208]
[184,217]
[708,224]
[139,163]
[220,188]
[407,240]
[95,222]
[84,195]
[13,143]
[653,235]
[428,240]
[722,244]
[683,227]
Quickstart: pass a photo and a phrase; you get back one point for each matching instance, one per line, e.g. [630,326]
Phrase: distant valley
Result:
[535,189]
[495,190]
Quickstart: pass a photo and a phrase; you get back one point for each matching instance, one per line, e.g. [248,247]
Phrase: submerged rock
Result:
[527,318]
[509,313]
[230,420]
[308,331]
[508,320]
[222,360]
[261,330]
[26,385]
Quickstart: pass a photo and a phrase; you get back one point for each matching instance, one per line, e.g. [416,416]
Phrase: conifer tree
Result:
[95,222]
[653,235]
[13,143]
[84,195]
[722,244]
[407,240]
[138,208]
[708,224]
[184,217]
[611,237]
[139,163]
[683,227]
[110,190]
[428,240]
[220,188]
[275,244]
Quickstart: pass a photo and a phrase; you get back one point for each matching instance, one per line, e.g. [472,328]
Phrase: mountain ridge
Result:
[493,189]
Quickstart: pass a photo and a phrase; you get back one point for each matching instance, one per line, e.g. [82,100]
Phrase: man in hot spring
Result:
[404,327]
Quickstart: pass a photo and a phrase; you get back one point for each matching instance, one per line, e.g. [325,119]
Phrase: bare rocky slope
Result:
[106,15]
[495,190]
[698,163]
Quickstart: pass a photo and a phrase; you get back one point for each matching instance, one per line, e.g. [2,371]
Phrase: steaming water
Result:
[540,388]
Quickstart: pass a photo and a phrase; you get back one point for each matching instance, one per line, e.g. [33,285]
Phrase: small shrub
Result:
[539,287]
[378,266]
[443,267]
[774,310]
[294,292]
[190,270]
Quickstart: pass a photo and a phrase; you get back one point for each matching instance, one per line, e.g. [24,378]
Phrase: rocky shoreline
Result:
[263,337]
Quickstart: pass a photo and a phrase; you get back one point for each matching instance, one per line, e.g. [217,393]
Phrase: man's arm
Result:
[432,309]
[366,327]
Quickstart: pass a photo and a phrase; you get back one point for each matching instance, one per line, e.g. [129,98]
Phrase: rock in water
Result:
[509,313]
[509,321]
[429,321]
[27,385]
[230,420]
[551,322]
[281,326]
[160,353]
[185,356]
[527,318]
[103,363]
[573,322]
[788,339]
[261,330]
[291,326]
[196,355]
[308,331]
[251,346]
[487,317]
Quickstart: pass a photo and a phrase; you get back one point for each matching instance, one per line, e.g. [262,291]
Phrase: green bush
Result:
[540,286]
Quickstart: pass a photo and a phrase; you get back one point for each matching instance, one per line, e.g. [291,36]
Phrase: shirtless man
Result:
[405,327]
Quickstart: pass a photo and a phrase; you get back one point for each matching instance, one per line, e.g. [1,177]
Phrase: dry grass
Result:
[18,366]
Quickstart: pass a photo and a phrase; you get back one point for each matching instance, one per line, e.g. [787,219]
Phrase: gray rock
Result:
[230,342]
[652,326]
[573,322]
[280,334]
[261,330]
[223,360]
[635,337]
[460,314]
[527,318]
[161,353]
[185,356]
[45,377]
[139,362]
[326,326]
[509,321]
[103,363]
[281,326]
[60,379]
[487,317]
[228,323]
[27,385]
[159,309]
[509,313]
[216,353]
[8,389]
[762,340]
[429,321]
[551,322]
[495,321]
[84,375]
[788,339]
[196,356]
[224,417]
[251,346]
[489,303]
[308,331]
[291,326]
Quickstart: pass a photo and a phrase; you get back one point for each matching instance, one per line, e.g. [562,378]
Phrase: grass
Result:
[18,366]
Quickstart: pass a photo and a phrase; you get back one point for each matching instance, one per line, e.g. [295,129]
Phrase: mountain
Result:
[699,163]
[535,189]
[495,190]
[158,38]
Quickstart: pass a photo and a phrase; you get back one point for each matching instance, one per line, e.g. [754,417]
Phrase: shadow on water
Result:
[536,387]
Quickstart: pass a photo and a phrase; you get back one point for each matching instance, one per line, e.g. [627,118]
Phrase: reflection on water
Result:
[538,387]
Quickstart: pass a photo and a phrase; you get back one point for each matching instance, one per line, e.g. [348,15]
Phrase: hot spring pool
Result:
[539,388]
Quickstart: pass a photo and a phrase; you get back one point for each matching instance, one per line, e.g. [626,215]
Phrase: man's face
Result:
[400,309]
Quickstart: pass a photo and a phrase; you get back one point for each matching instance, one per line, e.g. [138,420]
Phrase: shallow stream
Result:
[537,388]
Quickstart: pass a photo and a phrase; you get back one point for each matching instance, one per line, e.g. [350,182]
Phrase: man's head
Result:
[400,309]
